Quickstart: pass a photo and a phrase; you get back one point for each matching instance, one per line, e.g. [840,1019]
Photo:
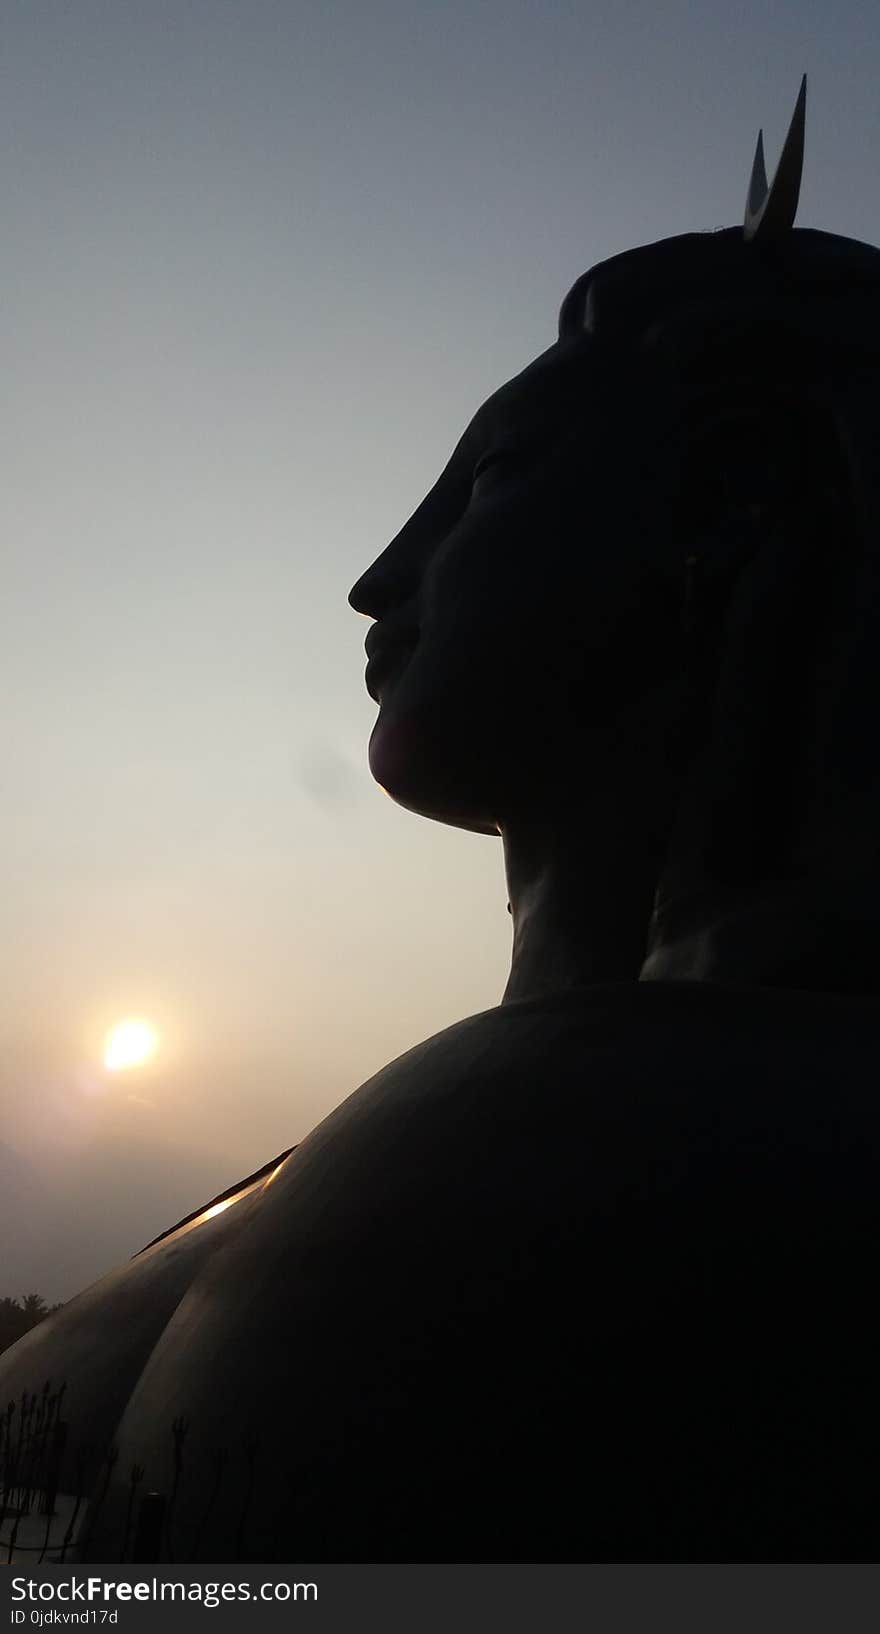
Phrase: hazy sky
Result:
[262,261]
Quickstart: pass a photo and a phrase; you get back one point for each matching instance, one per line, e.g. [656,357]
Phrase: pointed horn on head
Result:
[758,188]
[770,212]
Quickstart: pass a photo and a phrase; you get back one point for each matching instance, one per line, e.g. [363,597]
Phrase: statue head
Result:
[651,557]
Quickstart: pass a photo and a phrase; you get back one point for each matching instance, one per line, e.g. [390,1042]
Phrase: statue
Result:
[586,1276]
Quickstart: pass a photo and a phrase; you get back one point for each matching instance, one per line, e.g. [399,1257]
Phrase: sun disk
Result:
[128,1044]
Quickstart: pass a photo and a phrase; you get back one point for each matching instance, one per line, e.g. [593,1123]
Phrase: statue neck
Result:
[575,927]
[618,877]
[582,858]
[597,898]
[580,900]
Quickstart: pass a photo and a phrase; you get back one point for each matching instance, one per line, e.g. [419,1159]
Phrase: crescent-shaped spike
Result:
[758,188]
[773,216]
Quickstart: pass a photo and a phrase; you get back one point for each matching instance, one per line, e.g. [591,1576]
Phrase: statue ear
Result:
[772,457]
[725,473]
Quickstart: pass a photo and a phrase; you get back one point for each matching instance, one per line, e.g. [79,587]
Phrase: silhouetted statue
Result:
[589,1276]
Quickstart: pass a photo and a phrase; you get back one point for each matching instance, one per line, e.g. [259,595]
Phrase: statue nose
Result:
[370,596]
[358,596]
[385,586]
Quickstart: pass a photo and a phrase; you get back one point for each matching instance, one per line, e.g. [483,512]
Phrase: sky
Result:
[262,263]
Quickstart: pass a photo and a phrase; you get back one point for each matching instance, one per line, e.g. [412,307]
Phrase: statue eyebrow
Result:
[494,422]
[485,423]
[522,414]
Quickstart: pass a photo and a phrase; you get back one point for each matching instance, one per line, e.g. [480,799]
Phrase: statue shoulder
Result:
[449,1207]
[576,1170]
[96,1344]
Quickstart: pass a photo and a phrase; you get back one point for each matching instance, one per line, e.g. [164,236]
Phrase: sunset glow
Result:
[129,1044]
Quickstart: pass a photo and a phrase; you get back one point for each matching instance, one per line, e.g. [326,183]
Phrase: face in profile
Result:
[510,609]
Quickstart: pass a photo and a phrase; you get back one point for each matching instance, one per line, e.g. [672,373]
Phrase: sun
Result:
[129,1044]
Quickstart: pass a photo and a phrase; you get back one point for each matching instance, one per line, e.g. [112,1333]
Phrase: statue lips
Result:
[385,646]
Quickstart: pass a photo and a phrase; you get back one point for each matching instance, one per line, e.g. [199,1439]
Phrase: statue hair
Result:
[767,359]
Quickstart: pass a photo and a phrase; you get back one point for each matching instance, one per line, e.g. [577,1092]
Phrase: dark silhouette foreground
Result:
[588,1276]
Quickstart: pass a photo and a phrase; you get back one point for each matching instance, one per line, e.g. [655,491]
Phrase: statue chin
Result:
[414,766]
